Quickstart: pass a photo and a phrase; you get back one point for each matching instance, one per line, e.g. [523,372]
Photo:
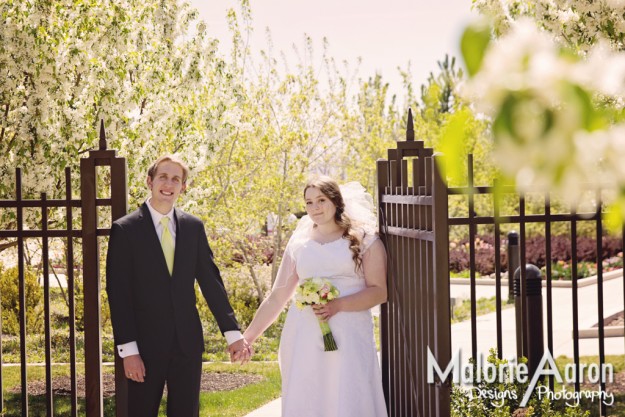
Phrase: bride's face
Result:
[318,206]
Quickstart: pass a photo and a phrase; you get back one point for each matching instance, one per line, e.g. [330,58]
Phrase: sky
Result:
[384,34]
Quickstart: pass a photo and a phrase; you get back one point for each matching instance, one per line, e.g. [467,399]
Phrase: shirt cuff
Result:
[128,349]
[233,336]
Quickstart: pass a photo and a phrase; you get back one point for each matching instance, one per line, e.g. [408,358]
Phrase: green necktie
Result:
[167,243]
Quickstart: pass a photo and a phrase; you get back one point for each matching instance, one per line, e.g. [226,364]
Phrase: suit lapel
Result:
[153,244]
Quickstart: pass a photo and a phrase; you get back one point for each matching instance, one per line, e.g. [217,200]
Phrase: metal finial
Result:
[410,127]
[102,136]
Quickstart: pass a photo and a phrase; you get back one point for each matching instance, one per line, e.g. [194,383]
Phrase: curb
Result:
[554,283]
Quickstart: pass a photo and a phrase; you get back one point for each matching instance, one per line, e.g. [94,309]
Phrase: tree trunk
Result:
[250,267]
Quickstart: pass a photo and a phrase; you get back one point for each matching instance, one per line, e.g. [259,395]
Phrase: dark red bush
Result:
[458,260]
[535,251]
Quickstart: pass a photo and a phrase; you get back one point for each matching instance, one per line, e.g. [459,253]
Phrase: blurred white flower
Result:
[540,98]
[616,3]
[603,70]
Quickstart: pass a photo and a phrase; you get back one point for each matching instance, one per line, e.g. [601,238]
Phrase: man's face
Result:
[166,185]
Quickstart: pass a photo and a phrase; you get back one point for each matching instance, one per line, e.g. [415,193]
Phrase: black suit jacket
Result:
[147,304]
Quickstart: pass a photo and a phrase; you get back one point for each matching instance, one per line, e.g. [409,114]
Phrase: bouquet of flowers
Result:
[318,291]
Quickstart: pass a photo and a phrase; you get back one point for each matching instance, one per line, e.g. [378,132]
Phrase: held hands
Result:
[240,351]
[134,368]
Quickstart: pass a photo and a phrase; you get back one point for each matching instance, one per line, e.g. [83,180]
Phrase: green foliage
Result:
[561,270]
[35,346]
[473,45]
[369,128]
[242,292]
[454,137]
[244,300]
[445,121]
[554,131]
[439,95]
[9,297]
[105,313]
[475,401]
[67,65]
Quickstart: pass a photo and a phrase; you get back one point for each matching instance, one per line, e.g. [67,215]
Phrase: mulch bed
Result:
[211,382]
[617,387]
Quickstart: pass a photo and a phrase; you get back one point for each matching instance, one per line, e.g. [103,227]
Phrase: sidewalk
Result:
[562,321]
[562,300]
[271,409]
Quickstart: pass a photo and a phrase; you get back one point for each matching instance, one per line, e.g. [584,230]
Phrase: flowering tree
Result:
[67,64]
[553,83]
[291,125]
[251,126]
[576,23]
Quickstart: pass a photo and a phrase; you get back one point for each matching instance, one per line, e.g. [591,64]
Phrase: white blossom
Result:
[540,98]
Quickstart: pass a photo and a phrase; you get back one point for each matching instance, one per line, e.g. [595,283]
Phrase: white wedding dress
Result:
[343,383]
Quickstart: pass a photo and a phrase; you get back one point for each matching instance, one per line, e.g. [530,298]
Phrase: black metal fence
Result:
[413,218]
[415,225]
[413,208]
[546,221]
[89,205]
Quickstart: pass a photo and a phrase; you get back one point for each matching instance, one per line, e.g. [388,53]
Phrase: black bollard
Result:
[513,262]
[529,345]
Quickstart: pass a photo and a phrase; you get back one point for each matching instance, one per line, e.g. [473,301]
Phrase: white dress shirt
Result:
[131,348]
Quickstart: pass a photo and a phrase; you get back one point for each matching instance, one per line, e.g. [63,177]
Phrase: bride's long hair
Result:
[331,189]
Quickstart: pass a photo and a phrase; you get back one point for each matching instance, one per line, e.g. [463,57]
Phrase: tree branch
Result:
[250,267]
[7,245]
[60,286]
[224,187]
[12,141]
[6,117]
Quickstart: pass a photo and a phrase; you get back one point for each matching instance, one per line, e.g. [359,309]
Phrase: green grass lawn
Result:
[483,306]
[232,403]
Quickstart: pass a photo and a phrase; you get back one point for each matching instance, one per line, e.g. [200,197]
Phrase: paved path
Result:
[562,332]
[271,409]
[562,322]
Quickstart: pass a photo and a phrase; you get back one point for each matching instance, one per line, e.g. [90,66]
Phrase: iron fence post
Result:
[513,262]
[529,345]
[91,269]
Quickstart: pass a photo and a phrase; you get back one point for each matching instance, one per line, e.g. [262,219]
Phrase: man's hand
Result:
[240,351]
[134,368]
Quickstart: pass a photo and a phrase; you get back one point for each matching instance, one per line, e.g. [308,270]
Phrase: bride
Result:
[337,241]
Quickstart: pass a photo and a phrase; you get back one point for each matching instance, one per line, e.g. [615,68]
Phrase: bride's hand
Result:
[240,351]
[325,311]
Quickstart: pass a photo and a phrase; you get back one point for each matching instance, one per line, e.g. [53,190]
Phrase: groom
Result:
[155,256]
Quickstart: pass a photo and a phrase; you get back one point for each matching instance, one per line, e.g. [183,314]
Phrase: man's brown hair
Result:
[185,169]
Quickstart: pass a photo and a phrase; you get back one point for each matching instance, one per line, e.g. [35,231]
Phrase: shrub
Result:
[258,248]
[62,317]
[244,300]
[535,251]
[9,298]
[466,403]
